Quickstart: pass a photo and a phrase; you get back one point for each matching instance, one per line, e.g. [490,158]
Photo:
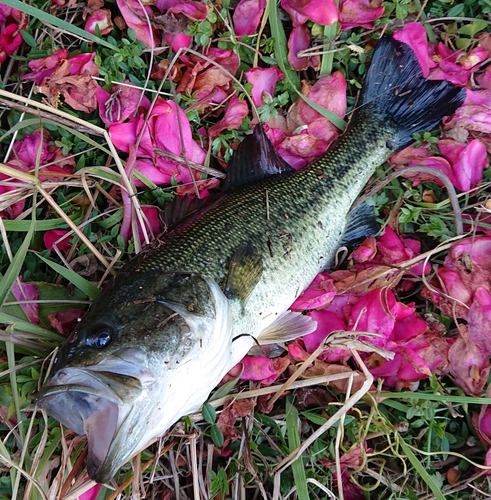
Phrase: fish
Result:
[184,311]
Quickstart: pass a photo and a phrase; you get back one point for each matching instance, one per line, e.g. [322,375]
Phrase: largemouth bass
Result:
[188,308]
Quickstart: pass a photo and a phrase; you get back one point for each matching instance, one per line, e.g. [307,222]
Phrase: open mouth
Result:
[97,404]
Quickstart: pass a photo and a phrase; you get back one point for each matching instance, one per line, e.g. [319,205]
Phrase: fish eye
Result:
[101,338]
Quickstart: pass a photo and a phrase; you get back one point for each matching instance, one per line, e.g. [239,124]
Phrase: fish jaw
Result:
[133,394]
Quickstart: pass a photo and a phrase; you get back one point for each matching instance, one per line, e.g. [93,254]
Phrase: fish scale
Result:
[182,313]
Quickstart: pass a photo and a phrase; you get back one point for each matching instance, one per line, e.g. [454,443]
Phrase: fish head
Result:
[147,352]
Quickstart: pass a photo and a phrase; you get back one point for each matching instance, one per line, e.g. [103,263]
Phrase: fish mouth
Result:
[103,405]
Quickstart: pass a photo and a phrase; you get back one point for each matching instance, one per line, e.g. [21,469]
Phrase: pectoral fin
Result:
[245,270]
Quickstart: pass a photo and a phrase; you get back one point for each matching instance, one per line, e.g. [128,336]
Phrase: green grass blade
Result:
[22,226]
[280,46]
[28,327]
[330,33]
[298,469]
[418,466]
[81,283]
[445,398]
[16,265]
[59,23]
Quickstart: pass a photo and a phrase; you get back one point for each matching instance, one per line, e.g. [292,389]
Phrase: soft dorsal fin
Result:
[254,159]
[246,268]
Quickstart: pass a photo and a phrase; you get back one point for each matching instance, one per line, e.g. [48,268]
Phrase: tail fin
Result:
[395,91]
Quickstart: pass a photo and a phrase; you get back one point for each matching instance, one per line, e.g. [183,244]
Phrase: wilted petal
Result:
[414,35]
[64,321]
[375,312]
[329,91]
[300,40]
[456,66]
[353,13]
[327,322]
[27,292]
[366,251]
[100,19]
[262,369]
[468,364]
[135,17]
[178,41]
[197,11]
[119,105]
[475,118]
[59,237]
[234,115]
[325,12]
[10,41]
[152,222]
[247,16]
[479,319]
[263,80]
[319,293]
[468,162]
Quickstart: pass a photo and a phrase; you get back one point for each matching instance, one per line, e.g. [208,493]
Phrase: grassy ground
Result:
[322,429]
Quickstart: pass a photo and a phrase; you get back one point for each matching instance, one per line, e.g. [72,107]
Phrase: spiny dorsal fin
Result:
[253,160]
[288,326]
[180,208]
[246,268]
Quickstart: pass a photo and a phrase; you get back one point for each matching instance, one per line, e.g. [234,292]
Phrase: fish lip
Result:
[99,401]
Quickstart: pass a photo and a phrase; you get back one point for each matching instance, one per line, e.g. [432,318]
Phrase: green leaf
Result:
[29,39]
[209,413]
[81,283]
[216,436]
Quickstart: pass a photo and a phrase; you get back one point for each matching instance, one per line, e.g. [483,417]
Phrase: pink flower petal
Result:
[121,104]
[375,312]
[319,293]
[300,40]
[100,19]
[414,35]
[468,364]
[26,292]
[235,113]
[479,320]
[468,162]
[263,80]
[329,91]
[247,16]
[353,13]
[56,236]
[259,368]
[197,11]
[327,322]
[152,222]
[136,18]
[325,12]
[178,41]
